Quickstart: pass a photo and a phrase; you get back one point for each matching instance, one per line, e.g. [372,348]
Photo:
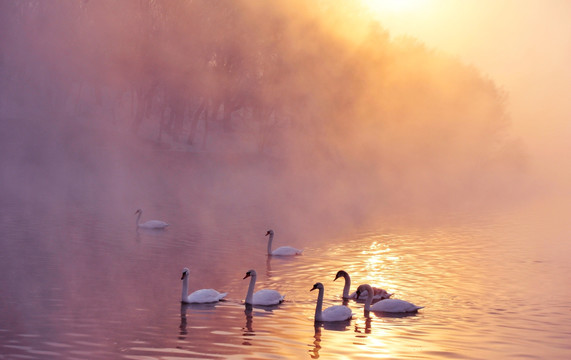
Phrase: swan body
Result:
[261,297]
[201,296]
[151,224]
[283,250]
[332,313]
[378,294]
[387,305]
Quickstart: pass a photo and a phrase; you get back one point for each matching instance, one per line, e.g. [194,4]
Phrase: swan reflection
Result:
[248,330]
[269,267]
[359,329]
[391,315]
[250,311]
[191,307]
[316,341]
[334,325]
[278,260]
[183,332]
[330,326]
[139,232]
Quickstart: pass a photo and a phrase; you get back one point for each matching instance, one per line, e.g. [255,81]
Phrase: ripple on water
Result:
[117,295]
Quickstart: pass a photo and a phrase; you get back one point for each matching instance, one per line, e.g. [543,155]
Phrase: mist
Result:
[524,47]
[311,113]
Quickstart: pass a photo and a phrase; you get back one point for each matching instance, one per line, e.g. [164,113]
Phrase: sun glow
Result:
[395,6]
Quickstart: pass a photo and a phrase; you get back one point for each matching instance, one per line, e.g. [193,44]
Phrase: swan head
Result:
[185,273]
[317,286]
[270,232]
[340,273]
[361,288]
[251,273]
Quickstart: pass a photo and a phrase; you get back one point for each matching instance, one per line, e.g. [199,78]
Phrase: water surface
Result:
[83,285]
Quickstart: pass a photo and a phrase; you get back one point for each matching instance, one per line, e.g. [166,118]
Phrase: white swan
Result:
[332,313]
[387,305]
[378,294]
[261,297]
[201,296]
[283,250]
[151,224]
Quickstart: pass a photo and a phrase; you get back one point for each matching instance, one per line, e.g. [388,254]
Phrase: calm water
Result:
[77,284]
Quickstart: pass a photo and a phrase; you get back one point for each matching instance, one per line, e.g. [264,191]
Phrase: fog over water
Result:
[228,118]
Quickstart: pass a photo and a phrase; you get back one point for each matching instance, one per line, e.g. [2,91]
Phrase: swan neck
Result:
[347,285]
[184,288]
[369,297]
[250,294]
[270,239]
[319,306]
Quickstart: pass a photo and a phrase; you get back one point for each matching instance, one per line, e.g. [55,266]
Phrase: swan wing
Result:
[381,294]
[336,313]
[286,251]
[267,297]
[394,306]
[378,294]
[205,296]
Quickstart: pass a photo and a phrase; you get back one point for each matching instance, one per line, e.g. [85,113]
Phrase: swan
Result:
[201,296]
[261,297]
[387,305]
[283,250]
[151,224]
[332,313]
[378,294]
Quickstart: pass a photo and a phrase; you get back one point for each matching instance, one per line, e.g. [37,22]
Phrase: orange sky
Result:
[523,45]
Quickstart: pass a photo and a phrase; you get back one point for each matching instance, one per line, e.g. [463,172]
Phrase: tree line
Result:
[294,77]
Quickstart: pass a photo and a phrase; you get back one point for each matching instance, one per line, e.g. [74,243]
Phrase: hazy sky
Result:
[523,45]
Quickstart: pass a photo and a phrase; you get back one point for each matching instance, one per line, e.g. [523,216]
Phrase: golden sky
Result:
[523,45]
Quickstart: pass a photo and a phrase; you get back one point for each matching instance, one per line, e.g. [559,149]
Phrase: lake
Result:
[84,284]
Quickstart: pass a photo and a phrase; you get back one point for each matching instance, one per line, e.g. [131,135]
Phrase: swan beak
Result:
[268,233]
[247,275]
[314,287]
[336,277]
[357,294]
[182,277]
